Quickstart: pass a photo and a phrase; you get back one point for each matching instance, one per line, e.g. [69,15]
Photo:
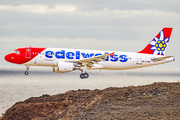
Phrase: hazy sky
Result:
[121,25]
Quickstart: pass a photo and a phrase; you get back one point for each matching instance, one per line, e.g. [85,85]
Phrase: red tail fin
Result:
[159,44]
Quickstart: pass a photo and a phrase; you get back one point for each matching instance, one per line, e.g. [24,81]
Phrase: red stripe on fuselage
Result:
[24,55]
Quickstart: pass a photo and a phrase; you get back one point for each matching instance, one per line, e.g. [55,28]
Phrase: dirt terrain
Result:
[155,101]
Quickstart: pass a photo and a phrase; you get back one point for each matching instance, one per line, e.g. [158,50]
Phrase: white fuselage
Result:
[119,61]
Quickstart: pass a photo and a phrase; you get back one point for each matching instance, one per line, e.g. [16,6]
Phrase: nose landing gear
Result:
[27,68]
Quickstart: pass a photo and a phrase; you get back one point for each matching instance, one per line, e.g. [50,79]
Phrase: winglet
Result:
[112,54]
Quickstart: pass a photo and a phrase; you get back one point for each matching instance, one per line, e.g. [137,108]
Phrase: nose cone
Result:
[9,58]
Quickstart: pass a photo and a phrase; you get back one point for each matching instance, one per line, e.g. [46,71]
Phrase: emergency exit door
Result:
[139,59]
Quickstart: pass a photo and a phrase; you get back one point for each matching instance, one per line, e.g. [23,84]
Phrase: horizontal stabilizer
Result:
[160,58]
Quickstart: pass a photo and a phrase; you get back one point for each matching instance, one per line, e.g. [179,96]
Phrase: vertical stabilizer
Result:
[159,44]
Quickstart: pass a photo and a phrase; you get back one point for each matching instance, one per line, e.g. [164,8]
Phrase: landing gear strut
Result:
[27,68]
[84,74]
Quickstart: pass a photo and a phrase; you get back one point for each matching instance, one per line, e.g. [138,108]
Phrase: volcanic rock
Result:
[155,101]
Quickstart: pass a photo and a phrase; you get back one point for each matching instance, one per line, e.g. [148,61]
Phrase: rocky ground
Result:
[155,101]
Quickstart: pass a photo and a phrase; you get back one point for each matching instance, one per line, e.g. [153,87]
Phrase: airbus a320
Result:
[67,60]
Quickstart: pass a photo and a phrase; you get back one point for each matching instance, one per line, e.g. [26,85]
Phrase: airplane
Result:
[67,60]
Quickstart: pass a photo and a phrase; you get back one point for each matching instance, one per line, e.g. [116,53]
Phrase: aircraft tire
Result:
[26,73]
[86,75]
[82,76]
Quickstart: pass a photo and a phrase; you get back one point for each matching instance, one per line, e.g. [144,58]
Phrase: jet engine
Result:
[63,67]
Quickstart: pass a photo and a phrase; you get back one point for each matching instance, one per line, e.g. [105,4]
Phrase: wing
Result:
[89,62]
[160,58]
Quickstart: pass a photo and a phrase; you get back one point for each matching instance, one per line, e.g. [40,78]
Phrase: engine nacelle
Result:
[63,67]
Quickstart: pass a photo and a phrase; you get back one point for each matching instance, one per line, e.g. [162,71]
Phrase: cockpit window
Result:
[17,52]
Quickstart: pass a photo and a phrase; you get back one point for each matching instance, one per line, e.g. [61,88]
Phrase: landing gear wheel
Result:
[86,75]
[26,73]
[82,76]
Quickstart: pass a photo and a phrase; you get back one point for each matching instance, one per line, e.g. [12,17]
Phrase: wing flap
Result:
[89,62]
[94,59]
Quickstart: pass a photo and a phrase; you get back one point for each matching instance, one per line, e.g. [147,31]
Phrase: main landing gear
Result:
[27,68]
[84,75]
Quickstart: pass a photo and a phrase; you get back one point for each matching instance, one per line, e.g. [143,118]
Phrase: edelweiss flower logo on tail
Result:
[159,44]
